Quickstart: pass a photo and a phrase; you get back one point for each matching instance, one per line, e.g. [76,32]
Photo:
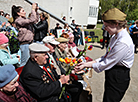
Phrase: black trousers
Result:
[74,90]
[116,83]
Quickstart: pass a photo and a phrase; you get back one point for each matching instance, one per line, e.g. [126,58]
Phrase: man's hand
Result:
[64,79]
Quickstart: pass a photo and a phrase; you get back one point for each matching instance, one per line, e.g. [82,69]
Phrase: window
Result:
[93,11]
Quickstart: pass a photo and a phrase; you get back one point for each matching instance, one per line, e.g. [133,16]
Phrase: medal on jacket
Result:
[49,72]
[108,50]
[44,77]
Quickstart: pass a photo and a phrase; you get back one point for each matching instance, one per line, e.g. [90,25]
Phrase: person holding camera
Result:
[24,26]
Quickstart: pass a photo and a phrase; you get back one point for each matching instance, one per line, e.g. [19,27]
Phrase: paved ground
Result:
[97,81]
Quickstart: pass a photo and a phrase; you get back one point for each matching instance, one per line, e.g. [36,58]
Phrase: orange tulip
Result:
[74,60]
[67,60]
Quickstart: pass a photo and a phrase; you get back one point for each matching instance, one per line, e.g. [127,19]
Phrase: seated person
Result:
[73,49]
[61,53]
[5,56]
[75,88]
[39,79]
[51,43]
[10,89]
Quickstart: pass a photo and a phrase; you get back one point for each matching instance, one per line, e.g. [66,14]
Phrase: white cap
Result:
[50,39]
[38,48]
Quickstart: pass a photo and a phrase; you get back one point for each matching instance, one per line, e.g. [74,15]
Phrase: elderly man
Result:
[50,42]
[76,87]
[39,79]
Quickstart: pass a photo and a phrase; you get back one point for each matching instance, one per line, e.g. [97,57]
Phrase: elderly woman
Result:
[10,89]
[5,56]
[24,26]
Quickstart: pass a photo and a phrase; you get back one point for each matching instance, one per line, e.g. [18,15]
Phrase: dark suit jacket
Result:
[37,82]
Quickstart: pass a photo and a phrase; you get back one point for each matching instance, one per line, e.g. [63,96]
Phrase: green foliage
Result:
[129,7]
[98,31]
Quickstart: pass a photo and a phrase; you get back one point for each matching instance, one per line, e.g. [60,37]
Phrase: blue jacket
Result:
[131,29]
[5,58]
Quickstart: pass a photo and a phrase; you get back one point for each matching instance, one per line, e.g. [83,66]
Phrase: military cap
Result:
[38,48]
[62,39]
[114,14]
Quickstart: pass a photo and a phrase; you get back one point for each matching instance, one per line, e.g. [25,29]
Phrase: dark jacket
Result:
[20,96]
[76,34]
[135,36]
[41,30]
[38,83]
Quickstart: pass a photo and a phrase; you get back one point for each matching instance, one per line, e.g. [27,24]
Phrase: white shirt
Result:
[121,53]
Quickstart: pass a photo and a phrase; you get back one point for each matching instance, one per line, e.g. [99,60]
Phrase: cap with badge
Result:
[62,39]
[7,74]
[50,39]
[38,48]
[114,14]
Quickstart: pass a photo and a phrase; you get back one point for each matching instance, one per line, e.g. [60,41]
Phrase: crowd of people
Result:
[25,42]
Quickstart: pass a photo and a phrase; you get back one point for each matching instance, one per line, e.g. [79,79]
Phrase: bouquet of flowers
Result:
[87,39]
[72,62]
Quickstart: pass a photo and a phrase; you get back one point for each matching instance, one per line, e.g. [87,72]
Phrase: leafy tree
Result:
[129,7]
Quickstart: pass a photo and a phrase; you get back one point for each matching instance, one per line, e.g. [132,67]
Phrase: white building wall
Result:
[56,7]
[92,20]
[80,11]
[72,9]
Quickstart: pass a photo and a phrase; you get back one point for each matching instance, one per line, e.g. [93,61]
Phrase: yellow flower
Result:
[61,60]
[76,62]
[71,63]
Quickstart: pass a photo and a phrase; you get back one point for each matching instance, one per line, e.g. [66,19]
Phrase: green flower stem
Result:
[63,91]
[70,69]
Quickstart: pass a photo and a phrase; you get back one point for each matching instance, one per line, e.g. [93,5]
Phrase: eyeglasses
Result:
[52,44]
